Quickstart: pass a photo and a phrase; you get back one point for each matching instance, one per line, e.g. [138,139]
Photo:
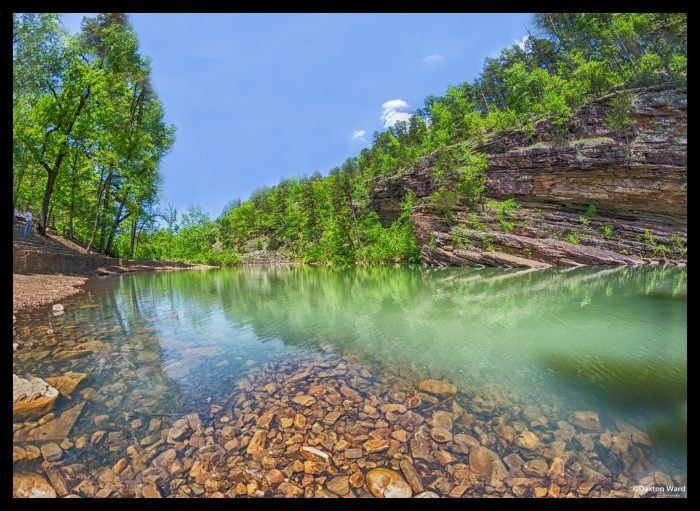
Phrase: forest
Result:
[89,135]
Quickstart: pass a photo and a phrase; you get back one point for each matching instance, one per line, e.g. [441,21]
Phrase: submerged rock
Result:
[440,388]
[55,429]
[480,461]
[586,420]
[527,440]
[66,383]
[31,396]
[387,483]
[32,486]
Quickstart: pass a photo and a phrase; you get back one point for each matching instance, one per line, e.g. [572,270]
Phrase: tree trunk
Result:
[97,213]
[108,186]
[53,171]
[117,220]
[71,209]
[134,222]
[47,195]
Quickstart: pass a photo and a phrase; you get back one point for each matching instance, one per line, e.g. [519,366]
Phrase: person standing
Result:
[28,222]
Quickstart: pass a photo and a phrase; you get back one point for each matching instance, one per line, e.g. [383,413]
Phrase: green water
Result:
[608,339]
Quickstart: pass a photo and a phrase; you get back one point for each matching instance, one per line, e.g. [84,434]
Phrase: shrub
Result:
[505,212]
[573,238]
[476,222]
[460,237]
[461,176]
[591,211]
[617,118]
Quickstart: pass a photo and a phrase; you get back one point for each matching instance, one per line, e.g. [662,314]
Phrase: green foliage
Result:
[460,237]
[573,238]
[607,231]
[88,130]
[461,179]
[618,118]
[584,221]
[678,245]
[505,212]
[89,135]
[591,211]
[476,222]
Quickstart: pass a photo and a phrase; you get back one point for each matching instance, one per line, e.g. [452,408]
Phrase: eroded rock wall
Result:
[636,177]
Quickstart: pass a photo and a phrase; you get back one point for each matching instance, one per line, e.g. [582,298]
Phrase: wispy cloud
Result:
[433,59]
[359,135]
[393,111]
[521,42]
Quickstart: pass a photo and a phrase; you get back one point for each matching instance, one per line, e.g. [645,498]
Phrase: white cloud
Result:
[392,112]
[521,42]
[359,134]
[433,59]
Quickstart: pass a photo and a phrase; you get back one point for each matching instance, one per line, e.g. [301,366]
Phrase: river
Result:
[525,349]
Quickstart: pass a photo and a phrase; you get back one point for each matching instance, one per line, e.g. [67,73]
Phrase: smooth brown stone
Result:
[375,445]
[387,483]
[527,440]
[440,388]
[411,474]
[66,383]
[339,485]
[440,435]
[150,491]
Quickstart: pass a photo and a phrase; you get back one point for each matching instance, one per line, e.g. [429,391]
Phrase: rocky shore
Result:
[322,425]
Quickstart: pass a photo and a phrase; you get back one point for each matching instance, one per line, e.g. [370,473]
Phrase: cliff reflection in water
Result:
[612,338]
[488,323]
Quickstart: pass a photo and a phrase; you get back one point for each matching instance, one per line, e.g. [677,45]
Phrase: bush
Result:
[461,177]
[505,212]
[460,237]
[573,238]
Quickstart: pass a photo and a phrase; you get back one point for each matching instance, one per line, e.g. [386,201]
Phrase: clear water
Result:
[607,339]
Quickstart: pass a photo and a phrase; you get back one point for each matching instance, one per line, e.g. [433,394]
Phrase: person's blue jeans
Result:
[27,228]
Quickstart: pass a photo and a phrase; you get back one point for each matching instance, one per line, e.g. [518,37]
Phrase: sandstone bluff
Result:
[636,177]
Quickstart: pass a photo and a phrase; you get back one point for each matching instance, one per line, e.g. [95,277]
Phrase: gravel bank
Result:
[30,291]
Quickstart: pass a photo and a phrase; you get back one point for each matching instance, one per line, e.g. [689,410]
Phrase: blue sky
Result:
[258,97]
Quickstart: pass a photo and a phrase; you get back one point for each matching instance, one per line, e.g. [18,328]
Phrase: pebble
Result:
[51,452]
[387,483]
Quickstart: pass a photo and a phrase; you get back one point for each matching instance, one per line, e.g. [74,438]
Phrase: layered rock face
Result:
[636,177]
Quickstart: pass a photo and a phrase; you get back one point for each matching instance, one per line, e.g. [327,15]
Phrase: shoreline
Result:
[37,290]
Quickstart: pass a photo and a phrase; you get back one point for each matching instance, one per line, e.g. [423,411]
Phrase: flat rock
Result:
[31,396]
[585,419]
[480,461]
[55,429]
[339,485]
[440,388]
[51,452]
[66,383]
[32,486]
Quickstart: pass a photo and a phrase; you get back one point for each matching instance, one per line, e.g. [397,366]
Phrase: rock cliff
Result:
[632,181]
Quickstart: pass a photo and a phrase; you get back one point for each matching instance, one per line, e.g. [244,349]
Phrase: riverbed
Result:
[462,383]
